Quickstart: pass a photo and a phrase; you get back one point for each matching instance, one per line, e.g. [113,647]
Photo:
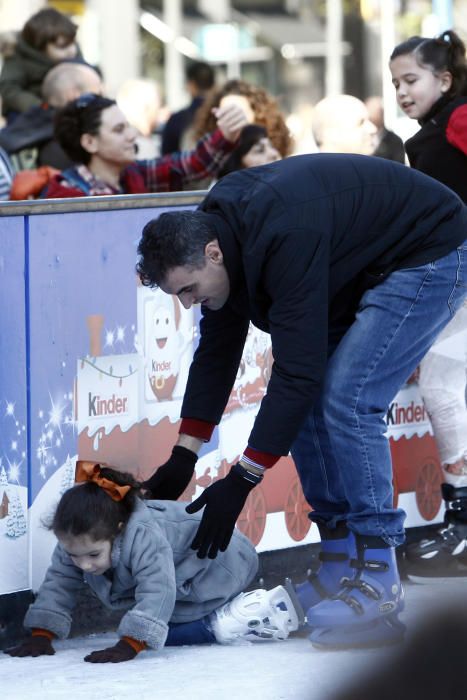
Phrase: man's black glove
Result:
[224,501]
[34,646]
[171,479]
[122,651]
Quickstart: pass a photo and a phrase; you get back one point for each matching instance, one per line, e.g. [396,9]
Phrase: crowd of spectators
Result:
[44,70]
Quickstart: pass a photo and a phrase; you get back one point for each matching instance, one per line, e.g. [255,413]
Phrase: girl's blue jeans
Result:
[342,453]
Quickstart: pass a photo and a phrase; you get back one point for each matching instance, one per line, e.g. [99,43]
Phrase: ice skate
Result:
[365,611]
[337,549]
[445,553]
[255,616]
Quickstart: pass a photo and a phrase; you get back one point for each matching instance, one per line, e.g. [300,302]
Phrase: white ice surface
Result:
[290,670]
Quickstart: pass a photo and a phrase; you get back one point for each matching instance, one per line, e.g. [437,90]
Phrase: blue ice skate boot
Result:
[337,549]
[364,613]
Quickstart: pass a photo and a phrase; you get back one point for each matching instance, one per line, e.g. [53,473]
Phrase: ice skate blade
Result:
[348,647]
[438,578]
[381,632]
[288,585]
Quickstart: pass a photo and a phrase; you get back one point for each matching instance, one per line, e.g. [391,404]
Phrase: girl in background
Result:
[253,148]
[430,78]
[135,555]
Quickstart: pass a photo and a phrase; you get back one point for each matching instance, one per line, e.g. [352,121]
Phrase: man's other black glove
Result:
[171,479]
[224,501]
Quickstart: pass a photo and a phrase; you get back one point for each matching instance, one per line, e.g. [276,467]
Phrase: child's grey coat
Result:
[154,574]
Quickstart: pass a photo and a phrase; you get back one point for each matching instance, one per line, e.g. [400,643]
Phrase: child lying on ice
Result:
[135,555]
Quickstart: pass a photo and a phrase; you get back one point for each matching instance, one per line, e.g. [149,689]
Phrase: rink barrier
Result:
[70,305]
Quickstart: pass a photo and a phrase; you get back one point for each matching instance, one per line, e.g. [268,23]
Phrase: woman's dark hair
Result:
[86,509]
[444,53]
[46,26]
[175,239]
[81,116]
[250,135]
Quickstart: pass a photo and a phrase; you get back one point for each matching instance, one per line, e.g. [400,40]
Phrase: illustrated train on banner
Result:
[128,408]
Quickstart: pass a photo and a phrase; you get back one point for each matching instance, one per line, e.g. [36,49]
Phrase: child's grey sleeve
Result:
[151,560]
[56,597]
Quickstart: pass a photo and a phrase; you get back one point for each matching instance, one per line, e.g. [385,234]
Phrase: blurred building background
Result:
[299,50]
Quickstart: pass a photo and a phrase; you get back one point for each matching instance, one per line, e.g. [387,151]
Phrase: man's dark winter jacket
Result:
[439,149]
[302,239]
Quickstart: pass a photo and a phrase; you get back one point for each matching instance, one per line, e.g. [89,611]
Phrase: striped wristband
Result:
[240,470]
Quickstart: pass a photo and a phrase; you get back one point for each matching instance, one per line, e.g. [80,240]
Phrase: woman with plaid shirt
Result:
[94,133]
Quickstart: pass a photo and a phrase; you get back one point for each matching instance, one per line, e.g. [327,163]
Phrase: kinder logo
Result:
[163,366]
[413,413]
[98,406]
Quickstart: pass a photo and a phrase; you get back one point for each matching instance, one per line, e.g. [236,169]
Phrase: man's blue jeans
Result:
[342,454]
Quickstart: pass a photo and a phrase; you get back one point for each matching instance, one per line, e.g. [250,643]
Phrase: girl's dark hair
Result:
[46,26]
[444,53]
[81,116]
[250,135]
[86,509]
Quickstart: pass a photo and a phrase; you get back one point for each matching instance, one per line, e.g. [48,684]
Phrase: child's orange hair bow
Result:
[91,471]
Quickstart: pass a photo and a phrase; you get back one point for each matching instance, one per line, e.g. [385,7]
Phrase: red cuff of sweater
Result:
[219,140]
[135,644]
[261,459]
[197,428]
[39,632]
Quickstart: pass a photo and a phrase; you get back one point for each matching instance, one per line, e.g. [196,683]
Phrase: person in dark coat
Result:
[353,264]
[199,80]
[388,144]
[47,38]
[30,139]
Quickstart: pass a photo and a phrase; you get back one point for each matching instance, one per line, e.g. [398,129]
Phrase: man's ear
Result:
[89,143]
[213,252]
[446,81]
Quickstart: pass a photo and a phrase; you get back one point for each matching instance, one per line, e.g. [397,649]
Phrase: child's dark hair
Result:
[81,116]
[46,26]
[249,136]
[446,52]
[86,509]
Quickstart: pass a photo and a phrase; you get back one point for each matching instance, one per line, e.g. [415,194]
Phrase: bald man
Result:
[341,124]
[67,81]
[29,140]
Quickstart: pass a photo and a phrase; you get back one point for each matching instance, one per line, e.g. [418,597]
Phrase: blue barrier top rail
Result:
[100,203]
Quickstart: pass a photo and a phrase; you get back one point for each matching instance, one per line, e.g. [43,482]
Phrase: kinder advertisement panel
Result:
[107,364]
[14,566]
